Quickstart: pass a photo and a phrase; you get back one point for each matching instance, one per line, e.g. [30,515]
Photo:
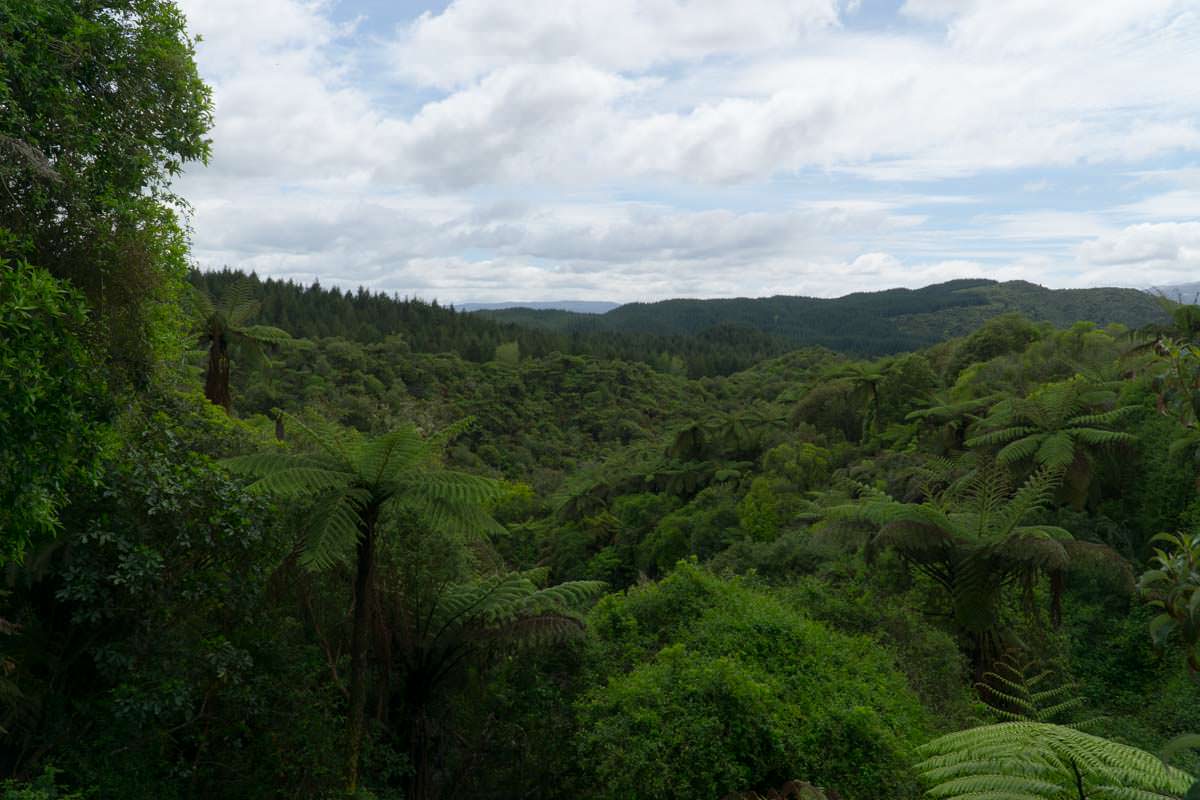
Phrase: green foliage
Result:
[153,614]
[705,686]
[972,540]
[353,480]
[1057,428]
[350,476]
[704,527]
[444,633]
[869,323]
[103,106]
[1036,761]
[49,403]
[44,787]
[759,512]
[1009,333]
[508,353]
[1172,585]
[1026,690]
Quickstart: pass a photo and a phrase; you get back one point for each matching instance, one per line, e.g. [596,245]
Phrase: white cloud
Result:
[1171,247]
[472,38]
[645,148]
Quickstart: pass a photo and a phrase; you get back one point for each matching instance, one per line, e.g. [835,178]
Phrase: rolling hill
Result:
[863,323]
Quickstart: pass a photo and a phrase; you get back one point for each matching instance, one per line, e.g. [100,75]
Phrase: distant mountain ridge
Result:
[577,306]
[863,323]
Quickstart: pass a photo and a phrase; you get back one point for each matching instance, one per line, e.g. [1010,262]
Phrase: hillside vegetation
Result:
[865,323]
[266,541]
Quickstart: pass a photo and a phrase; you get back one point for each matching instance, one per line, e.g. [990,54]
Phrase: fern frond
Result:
[1104,417]
[385,457]
[1102,438]
[286,475]
[1034,761]
[238,303]
[1056,451]
[332,532]
[1019,450]
[1033,495]
[265,334]
[302,481]
[323,436]
[1002,436]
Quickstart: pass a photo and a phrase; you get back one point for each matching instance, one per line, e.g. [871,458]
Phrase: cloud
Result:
[649,148]
[473,38]
[1167,247]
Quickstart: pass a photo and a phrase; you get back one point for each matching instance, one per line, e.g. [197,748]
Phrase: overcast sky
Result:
[625,150]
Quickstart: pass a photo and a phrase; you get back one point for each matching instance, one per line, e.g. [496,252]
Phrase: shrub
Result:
[705,686]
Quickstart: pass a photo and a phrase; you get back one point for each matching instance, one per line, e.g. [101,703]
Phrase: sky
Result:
[625,150]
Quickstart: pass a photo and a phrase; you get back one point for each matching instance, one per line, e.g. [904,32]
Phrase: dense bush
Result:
[50,399]
[705,686]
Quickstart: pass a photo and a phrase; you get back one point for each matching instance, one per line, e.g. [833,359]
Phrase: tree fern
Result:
[1061,427]
[353,481]
[972,540]
[221,325]
[1042,761]
[435,630]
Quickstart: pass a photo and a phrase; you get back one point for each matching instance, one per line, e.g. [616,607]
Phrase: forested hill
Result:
[314,312]
[864,323]
[697,338]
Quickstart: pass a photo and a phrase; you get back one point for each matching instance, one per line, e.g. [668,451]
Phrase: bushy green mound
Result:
[705,686]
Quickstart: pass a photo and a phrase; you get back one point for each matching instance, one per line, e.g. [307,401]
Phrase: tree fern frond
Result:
[332,532]
[1028,691]
[1104,417]
[1041,760]
[256,465]
[1019,450]
[443,437]
[536,629]
[238,303]
[1056,451]
[450,517]
[302,481]
[323,436]
[265,334]
[201,304]
[383,458]
[1002,436]
[1186,445]
[1033,495]
[455,486]
[1098,437]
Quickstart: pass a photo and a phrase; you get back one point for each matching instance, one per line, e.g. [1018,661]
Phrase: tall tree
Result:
[102,106]
[221,326]
[355,483]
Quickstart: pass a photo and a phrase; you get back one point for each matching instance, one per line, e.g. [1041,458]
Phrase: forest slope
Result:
[864,323]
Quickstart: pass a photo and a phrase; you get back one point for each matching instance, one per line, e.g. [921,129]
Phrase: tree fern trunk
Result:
[216,380]
[359,640]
